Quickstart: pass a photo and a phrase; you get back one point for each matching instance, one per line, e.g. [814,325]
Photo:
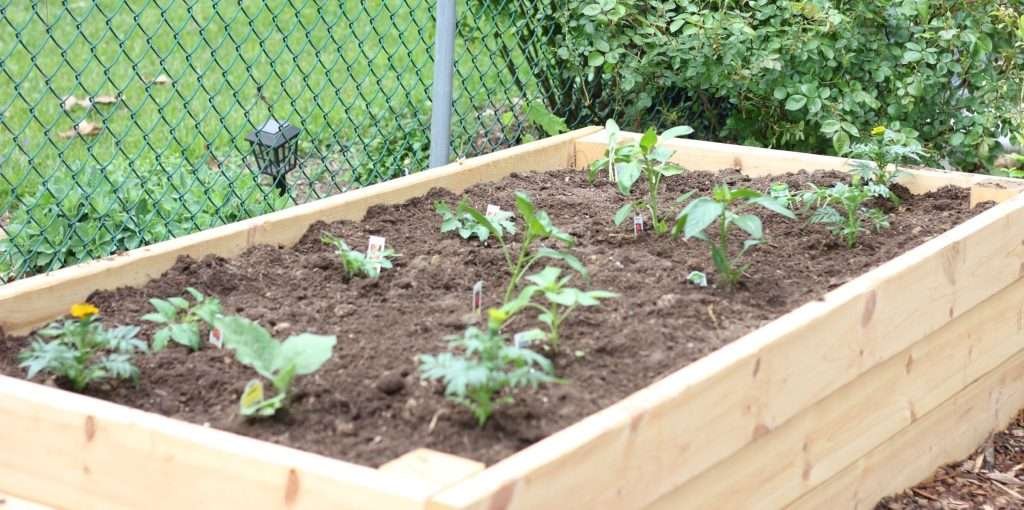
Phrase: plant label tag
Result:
[375,251]
[252,395]
[492,210]
[217,338]
[638,224]
[478,297]
[698,278]
[521,340]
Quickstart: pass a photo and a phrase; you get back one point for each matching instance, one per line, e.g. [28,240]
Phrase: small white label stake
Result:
[375,250]
[638,224]
[478,297]
[492,210]
[217,338]
[521,340]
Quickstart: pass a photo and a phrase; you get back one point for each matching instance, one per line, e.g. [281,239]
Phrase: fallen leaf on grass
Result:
[84,128]
[163,79]
[71,102]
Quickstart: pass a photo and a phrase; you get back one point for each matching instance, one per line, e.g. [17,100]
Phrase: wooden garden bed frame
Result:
[838,402]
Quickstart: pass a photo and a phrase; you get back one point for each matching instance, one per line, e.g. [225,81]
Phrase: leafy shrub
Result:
[807,75]
[89,212]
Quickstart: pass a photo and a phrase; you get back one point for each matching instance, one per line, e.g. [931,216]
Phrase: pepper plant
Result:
[277,361]
[842,209]
[559,300]
[181,320]
[538,227]
[645,158]
[481,368]
[82,350]
[726,206]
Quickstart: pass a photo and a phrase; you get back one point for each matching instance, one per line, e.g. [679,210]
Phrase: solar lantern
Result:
[275,145]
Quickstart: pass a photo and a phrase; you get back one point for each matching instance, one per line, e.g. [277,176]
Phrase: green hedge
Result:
[802,75]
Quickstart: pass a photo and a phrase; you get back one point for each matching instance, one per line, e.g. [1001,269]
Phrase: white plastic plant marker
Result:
[638,224]
[492,210]
[375,250]
[217,338]
[478,297]
[521,340]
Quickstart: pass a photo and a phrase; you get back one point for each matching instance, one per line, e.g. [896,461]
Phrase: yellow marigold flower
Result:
[878,131]
[83,310]
[497,316]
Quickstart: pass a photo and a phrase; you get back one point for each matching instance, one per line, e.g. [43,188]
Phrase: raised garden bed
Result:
[821,403]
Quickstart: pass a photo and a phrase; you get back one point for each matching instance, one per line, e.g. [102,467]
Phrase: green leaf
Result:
[570,260]
[595,59]
[841,142]
[677,132]
[648,140]
[253,345]
[185,334]
[306,351]
[626,174]
[773,205]
[701,213]
[830,126]
[750,224]
[624,212]
[165,308]
[795,102]
[481,218]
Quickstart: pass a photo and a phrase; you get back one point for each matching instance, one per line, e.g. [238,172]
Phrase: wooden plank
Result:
[671,431]
[947,434]
[71,451]
[832,434]
[756,162]
[439,470]
[13,503]
[29,303]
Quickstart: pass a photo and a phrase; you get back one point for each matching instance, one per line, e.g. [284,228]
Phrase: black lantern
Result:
[275,145]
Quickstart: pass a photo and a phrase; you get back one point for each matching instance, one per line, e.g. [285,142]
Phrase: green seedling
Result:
[82,350]
[181,320]
[781,193]
[538,228]
[467,226]
[725,206]
[877,167]
[278,362]
[626,164]
[559,300]
[842,209]
[482,369]
[356,263]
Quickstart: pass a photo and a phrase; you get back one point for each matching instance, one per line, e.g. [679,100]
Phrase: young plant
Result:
[538,228]
[355,263]
[645,158]
[277,361]
[781,193]
[481,369]
[181,320]
[467,226]
[560,300]
[82,351]
[726,206]
[878,160]
[842,209]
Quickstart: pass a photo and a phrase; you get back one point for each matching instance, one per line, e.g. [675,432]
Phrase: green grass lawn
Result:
[343,70]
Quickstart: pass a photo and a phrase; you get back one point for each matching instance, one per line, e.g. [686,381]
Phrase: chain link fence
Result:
[123,123]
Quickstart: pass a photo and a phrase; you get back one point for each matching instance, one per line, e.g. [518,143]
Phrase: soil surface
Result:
[991,479]
[368,405]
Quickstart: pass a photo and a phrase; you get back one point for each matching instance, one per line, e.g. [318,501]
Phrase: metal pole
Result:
[444,63]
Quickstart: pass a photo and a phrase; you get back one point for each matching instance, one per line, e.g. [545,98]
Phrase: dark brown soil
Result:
[368,404]
[992,478]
